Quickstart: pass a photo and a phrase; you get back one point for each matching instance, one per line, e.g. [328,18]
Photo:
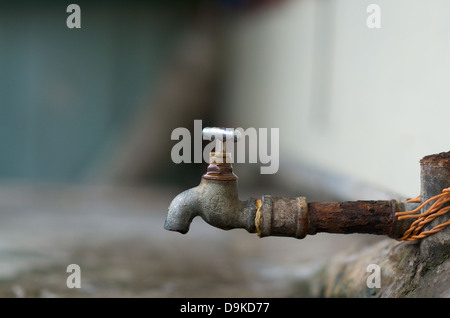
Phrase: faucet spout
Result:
[216,202]
[183,208]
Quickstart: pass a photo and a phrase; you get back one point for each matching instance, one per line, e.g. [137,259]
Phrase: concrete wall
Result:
[365,103]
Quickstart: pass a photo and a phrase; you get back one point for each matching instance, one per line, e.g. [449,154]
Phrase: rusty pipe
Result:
[294,217]
[216,200]
[435,176]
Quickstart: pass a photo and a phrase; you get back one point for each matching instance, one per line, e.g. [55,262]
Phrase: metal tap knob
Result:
[213,133]
[221,135]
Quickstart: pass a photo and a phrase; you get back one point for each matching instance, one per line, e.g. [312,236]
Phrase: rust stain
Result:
[220,168]
[441,159]
[258,217]
[373,217]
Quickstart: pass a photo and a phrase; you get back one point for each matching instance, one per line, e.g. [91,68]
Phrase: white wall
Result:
[367,103]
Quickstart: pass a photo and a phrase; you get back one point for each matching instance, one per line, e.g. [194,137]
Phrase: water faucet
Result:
[216,201]
[216,198]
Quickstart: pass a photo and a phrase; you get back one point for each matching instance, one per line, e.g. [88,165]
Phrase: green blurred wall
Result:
[65,93]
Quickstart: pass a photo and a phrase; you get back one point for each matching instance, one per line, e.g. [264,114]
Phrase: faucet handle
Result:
[220,161]
[221,133]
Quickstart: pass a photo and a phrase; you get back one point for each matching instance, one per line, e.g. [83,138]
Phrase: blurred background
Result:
[86,117]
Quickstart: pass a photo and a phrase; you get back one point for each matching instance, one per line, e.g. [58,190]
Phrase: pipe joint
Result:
[280,216]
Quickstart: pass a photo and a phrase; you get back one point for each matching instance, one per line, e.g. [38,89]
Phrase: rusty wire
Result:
[434,211]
